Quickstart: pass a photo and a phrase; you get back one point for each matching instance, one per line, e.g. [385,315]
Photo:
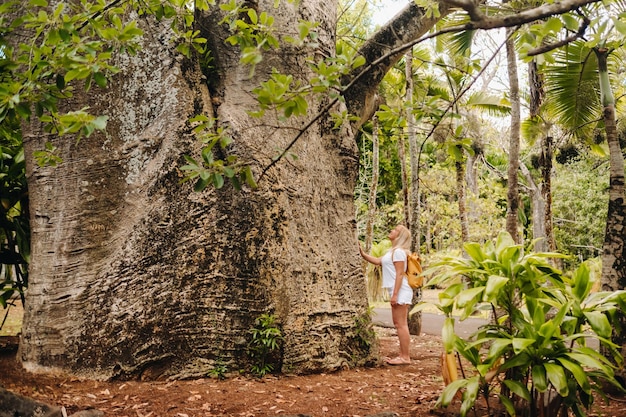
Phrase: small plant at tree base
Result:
[364,329]
[264,348]
[219,370]
[535,357]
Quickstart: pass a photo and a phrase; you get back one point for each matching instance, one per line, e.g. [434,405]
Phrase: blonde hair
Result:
[404,238]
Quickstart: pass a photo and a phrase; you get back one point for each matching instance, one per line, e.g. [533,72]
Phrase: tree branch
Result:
[552,46]
[406,29]
[519,18]
[387,46]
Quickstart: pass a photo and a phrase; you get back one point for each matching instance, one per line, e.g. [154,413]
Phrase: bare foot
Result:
[398,361]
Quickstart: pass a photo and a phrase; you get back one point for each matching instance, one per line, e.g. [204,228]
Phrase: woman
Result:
[395,281]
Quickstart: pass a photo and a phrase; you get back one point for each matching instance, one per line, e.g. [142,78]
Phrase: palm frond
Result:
[494,105]
[572,89]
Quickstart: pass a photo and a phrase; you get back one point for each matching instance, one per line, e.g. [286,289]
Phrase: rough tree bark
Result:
[134,274]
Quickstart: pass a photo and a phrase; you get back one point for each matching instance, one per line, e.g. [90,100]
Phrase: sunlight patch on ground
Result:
[13,324]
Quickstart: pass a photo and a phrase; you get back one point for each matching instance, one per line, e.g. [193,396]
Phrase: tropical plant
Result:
[14,225]
[374,274]
[536,355]
[265,345]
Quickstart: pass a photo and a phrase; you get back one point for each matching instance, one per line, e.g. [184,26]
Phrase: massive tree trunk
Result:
[135,274]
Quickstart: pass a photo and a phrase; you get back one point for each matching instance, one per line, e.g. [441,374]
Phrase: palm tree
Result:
[580,90]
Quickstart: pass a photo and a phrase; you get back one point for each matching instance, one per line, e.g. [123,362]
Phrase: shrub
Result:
[534,355]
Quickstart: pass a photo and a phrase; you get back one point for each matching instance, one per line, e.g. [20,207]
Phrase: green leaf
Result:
[518,389]
[539,378]
[201,184]
[599,323]
[520,344]
[498,346]
[475,251]
[508,404]
[450,391]
[579,374]
[470,394]
[100,79]
[521,360]
[447,334]
[218,180]
[359,61]
[471,295]
[494,285]
[556,375]
[254,18]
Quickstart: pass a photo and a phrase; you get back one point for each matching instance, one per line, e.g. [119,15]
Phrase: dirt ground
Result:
[410,390]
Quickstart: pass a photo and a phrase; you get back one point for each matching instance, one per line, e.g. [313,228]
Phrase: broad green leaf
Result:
[359,61]
[508,404]
[587,359]
[581,284]
[556,375]
[522,360]
[471,295]
[447,334]
[475,251]
[450,391]
[470,395]
[520,344]
[578,372]
[599,323]
[518,389]
[218,180]
[498,346]
[494,285]
[201,184]
[539,378]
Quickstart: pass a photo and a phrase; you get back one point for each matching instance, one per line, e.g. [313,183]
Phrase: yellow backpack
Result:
[414,271]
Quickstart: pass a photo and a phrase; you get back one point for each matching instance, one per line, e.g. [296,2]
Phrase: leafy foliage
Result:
[580,206]
[535,357]
[265,345]
[14,226]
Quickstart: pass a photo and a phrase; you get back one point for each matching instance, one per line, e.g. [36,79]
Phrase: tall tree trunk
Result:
[412,204]
[414,184]
[514,140]
[404,175]
[537,204]
[133,274]
[374,278]
[614,247]
[542,225]
[460,191]
[546,191]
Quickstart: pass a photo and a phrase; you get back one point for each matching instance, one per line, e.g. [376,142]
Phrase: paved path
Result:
[431,323]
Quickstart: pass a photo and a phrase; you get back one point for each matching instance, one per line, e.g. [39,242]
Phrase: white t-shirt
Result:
[389,269]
